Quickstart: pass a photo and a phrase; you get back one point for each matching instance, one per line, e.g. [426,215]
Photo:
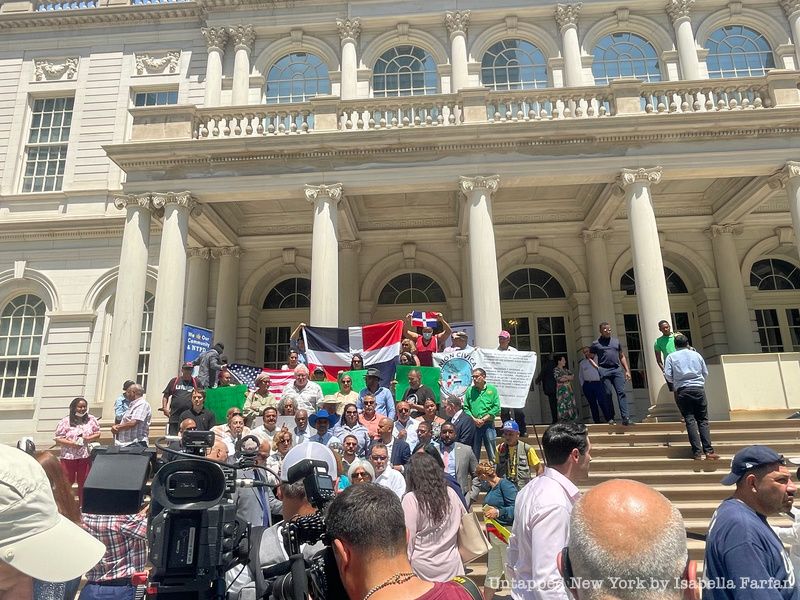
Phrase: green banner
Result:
[220,399]
[329,388]
[430,376]
[359,382]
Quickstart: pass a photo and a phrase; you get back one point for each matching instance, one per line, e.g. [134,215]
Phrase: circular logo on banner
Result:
[456,376]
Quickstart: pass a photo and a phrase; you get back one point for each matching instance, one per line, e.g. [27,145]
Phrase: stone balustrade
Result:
[472,106]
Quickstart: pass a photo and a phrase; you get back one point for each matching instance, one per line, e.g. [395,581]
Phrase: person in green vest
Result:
[664,346]
[482,403]
[517,461]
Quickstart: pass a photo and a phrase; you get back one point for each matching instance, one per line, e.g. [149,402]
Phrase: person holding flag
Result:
[498,512]
[426,342]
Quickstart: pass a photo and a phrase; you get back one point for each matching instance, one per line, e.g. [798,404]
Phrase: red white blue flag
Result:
[424,319]
[333,348]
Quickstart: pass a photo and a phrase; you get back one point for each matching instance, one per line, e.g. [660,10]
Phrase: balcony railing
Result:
[476,106]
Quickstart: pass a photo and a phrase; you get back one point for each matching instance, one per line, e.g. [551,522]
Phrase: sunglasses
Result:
[369,404]
[361,476]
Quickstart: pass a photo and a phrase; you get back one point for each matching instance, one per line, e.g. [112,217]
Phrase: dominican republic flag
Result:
[247,374]
[333,348]
[424,319]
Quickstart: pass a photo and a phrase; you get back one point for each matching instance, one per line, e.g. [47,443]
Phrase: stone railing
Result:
[476,106]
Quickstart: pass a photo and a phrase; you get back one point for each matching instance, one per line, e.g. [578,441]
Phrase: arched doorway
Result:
[776,304]
[284,306]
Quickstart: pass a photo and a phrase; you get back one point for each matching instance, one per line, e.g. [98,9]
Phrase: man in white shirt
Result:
[542,515]
[405,428]
[268,430]
[306,394]
[388,478]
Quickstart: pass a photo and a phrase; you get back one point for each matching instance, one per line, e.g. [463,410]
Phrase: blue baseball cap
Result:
[750,458]
[511,426]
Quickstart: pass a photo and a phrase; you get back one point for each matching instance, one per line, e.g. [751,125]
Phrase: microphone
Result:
[252,483]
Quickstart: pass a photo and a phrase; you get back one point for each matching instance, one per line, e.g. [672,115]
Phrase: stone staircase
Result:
[659,455]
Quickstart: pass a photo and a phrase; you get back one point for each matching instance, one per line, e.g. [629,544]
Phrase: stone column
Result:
[243,37]
[735,312]
[792,10]
[126,328]
[679,12]
[462,241]
[196,312]
[324,255]
[349,30]
[651,287]
[227,307]
[600,294]
[457,23]
[567,19]
[165,349]
[349,283]
[790,176]
[478,192]
[216,39]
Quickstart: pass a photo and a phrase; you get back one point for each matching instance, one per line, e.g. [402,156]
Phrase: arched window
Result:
[514,65]
[404,71]
[411,288]
[289,293]
[530,284]
[774,274]
[738,51]
[21,330]
[624,54]
[297,77]
[675,285]
[145,339]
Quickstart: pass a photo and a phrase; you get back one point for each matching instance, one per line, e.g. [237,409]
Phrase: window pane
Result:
[21,327]
[738,51]
[530,284]
[774,274]
[412,288]
[44,164]
[297,77]
[625,54]
[419,74]
[290,293]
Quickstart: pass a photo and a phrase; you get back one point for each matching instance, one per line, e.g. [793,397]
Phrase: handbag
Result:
[472,540]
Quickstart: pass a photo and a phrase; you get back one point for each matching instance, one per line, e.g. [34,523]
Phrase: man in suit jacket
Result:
[459,461]
[399,450]
[256,505]
[463,423]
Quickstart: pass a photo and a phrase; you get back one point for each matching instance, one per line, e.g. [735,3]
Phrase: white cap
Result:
[34,538]
[312,450]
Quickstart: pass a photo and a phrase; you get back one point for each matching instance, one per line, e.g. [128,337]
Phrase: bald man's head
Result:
[623,530]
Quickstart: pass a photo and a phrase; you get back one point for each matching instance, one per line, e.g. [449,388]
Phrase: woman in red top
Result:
[427,342]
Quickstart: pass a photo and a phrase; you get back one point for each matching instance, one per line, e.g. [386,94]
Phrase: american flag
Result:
[424,319]
[247,374]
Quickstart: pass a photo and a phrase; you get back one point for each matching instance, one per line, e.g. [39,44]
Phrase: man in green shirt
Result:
[482,403]
[664,346]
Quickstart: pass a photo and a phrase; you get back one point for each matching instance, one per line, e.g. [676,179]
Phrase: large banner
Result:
[510,372]
[196,340]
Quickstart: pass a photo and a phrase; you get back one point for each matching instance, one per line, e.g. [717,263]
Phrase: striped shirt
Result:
[140,412]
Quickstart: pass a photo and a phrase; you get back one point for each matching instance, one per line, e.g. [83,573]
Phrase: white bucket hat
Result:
[34,538]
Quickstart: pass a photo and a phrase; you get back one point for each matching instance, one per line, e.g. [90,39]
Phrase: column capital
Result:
[628,177]
[679,9]
[204,253]
[318,192]
[243,36]
[567,14]
[790,6]
[349,29]
[216,37]
[184,199]
[456,21]
[144,200]
[595,234]
[354,245]
[718,230]
[233,251]
[789,171]
[469,184]
[462,241]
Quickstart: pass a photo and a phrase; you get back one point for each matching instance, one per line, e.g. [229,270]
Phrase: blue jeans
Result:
[486,435]
[92,591]
[614,379]
[599,400]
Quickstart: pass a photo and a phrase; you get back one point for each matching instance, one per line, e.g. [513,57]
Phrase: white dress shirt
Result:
[393,480]
[539,533]
[411,431]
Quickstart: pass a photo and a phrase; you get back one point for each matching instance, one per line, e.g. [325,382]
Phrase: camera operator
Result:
[367,528]
[239,580]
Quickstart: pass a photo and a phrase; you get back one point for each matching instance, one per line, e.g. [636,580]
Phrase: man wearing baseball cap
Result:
[36,542]
[744,558]
[516,460]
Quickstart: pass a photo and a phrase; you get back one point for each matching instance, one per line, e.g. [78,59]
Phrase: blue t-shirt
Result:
[744,559]
[607,351]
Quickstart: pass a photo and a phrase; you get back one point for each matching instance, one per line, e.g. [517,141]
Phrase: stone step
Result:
[683,450]
[659,477]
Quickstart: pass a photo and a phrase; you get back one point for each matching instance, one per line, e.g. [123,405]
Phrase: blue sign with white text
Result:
[196,340]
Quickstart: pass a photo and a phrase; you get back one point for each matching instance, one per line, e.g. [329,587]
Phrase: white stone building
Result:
[249,165]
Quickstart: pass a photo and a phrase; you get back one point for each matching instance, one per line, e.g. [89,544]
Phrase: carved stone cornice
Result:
[349,29]
[184,199]
[628,177]
[595,234]
[456,22]
[567,14]
[157,64]
[679,9]
[202,253]
[123,16]
[789,171]
[717,230]
[790,6]
[55,70]
[216,38]
[319,192]
[144,200]
[350,245]
[243,37]
[469,184]
[233,251]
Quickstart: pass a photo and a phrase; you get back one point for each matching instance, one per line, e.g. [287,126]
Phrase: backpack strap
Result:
[468,586]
